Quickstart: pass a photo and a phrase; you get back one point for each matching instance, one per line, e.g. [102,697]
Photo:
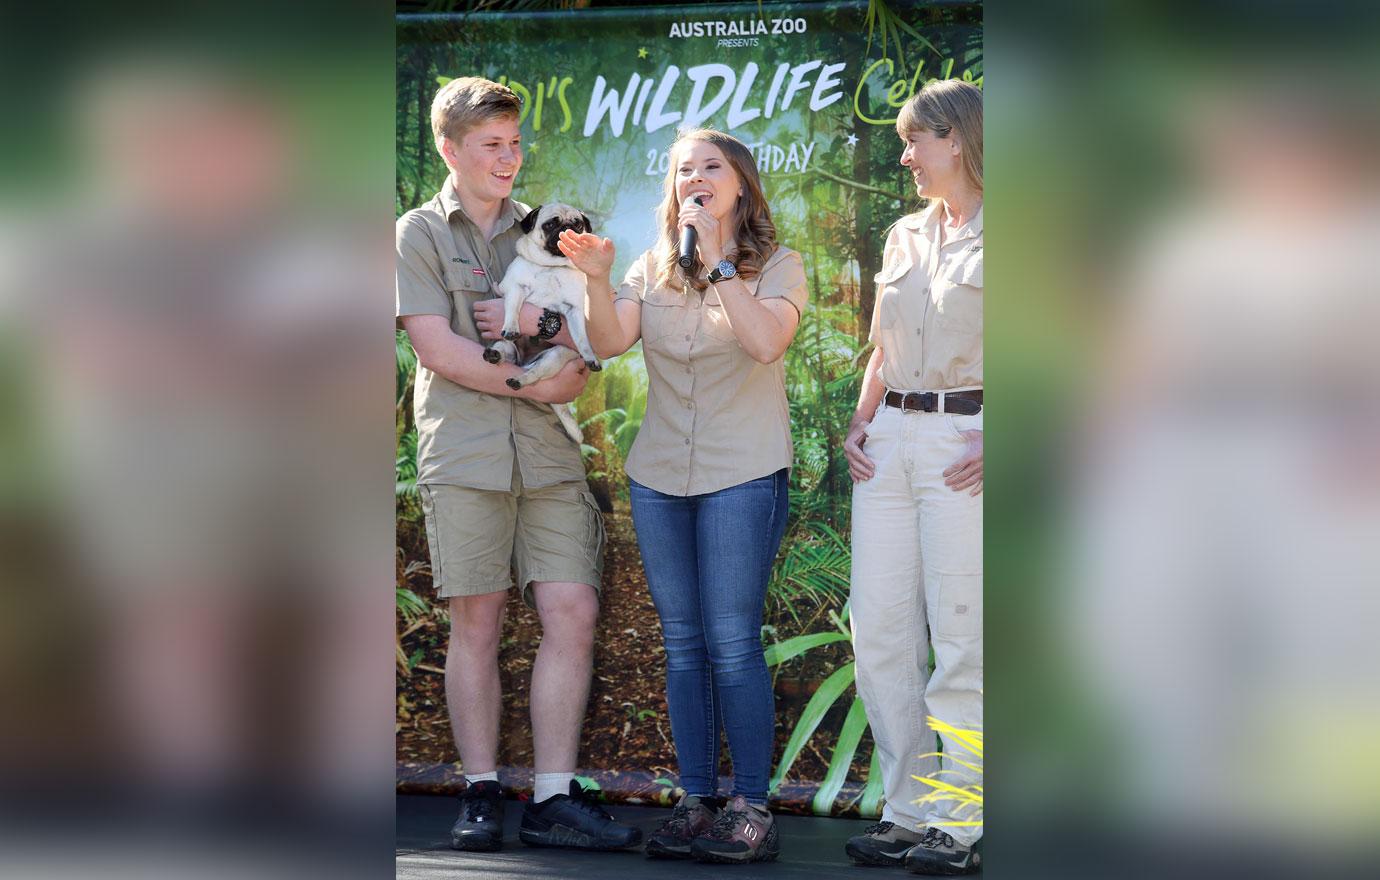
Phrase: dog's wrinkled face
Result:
[546,222]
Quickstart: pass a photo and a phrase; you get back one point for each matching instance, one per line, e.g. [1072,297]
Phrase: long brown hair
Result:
[754,234]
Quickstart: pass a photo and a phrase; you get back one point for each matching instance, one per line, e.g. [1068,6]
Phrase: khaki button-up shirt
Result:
[715,417]
[928,315]
[464,437]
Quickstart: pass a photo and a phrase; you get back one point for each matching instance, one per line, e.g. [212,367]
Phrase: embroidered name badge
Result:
[460,260]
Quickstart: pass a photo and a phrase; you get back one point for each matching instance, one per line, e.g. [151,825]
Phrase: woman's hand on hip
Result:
[966,473]
[860,467]
[591,254]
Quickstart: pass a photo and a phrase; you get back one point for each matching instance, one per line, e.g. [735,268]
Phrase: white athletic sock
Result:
[472,778]
[551,784]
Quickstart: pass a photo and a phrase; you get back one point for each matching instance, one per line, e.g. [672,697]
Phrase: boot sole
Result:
[477,843]
[661,851]
[874,860]
[568,838]
[701,855]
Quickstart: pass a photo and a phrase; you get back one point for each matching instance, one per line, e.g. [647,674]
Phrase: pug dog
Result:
[543,276]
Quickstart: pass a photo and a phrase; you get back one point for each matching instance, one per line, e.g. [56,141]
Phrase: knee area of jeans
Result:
[690,661]
[738,662]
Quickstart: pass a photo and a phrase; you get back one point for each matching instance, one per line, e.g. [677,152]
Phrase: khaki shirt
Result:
[928,315]
[715,417]
[464,437]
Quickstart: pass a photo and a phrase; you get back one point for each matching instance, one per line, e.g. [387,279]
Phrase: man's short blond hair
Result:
[469,101]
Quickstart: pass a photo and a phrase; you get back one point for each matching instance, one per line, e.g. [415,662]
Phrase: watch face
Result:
[727,269]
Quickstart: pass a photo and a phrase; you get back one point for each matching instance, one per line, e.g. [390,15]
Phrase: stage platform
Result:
[810,847]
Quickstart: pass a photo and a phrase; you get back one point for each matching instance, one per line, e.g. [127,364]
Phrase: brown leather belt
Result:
[959,403]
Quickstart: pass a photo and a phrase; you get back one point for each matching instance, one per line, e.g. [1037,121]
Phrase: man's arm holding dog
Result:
[422,306]
[488,317]
[461,360]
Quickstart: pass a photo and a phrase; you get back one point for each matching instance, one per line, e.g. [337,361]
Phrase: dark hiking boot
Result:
[884,844]
[938,853]
[741,834]
[574,821]
[692,817]
[480,826]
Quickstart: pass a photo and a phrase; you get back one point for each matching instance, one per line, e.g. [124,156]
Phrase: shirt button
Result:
[687,369]
[687,441]
[919,331]
[689,404]
[917,374]
[687,337]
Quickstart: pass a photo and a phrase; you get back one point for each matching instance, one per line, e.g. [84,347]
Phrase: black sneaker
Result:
[693,816]
[884,844]
[480,826]
[575,821]
[937,853]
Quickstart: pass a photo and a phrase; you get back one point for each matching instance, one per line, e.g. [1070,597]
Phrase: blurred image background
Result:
[1183,486]
[195,449]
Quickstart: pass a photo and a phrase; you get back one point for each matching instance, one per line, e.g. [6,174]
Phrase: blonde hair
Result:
[753,231]
[945,106]
[470,101]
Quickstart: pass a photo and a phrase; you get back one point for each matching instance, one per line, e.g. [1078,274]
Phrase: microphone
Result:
[688,237]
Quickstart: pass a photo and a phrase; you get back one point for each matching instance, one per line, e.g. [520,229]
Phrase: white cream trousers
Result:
[917,579]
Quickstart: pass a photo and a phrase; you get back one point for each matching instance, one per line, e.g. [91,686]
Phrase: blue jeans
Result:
[708,559]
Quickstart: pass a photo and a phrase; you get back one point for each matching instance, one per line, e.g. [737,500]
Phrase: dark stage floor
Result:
[810,847]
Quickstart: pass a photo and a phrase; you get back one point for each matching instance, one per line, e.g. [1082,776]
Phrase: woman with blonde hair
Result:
[914,451]
[708,471]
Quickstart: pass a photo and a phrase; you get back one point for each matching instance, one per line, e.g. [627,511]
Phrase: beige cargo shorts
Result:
[478,537]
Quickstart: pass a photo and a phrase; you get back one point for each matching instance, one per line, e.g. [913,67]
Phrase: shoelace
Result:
[933,838]
[723,827]
[879,828]
[478,806]
[679,821]
[586,803]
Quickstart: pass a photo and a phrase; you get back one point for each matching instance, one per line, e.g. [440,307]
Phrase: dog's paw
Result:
[510,335]
[514,383]
[594,366]
[492,355]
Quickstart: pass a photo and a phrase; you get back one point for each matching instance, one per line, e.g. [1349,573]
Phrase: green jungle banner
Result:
[814,90]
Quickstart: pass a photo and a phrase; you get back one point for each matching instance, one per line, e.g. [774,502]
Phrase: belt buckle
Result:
[919,399]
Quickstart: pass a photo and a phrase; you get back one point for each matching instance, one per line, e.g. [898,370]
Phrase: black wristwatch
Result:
[725,269]
[549,324]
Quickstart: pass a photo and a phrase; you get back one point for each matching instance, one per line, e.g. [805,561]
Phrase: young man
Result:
[502,484]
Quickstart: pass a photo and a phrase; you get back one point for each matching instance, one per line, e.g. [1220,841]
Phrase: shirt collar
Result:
[508,213]
[927,222]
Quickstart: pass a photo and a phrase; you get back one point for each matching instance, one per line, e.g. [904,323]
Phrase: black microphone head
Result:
[687,242]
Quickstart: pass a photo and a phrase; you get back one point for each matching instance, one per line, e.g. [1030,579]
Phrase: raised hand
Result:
[591,254]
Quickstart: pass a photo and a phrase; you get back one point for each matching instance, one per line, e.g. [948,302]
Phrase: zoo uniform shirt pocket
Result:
[466,279]
[714,322]
[663,313]
[465,289]
[888,282]
[957,295]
